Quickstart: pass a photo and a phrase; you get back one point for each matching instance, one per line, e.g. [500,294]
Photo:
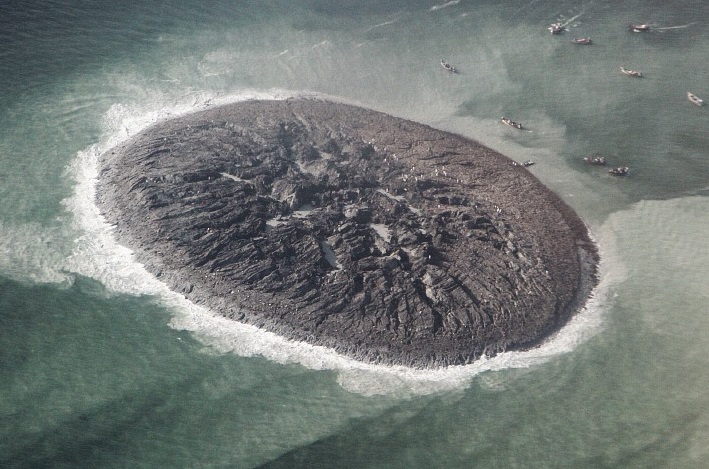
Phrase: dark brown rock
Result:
[382,238]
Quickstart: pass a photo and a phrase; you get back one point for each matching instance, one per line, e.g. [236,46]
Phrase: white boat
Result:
[631,73]
[619,171]
[511,123]
[695,99]
[595,160]
[448,66]
[639,28]
[584,41]
[556,28]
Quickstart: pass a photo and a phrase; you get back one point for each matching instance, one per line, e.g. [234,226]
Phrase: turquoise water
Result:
[101,366]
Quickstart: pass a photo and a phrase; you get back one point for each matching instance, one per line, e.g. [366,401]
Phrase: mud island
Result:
[384,239]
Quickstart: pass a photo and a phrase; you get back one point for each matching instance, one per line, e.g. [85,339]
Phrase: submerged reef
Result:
[384,239]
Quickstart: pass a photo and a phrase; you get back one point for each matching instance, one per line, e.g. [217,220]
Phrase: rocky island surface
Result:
[384,239]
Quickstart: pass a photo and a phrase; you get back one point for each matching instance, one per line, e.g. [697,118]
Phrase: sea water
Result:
[101,365]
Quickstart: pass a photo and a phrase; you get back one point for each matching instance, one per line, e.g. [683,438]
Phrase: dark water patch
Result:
[365,442]
[91,380]
[45,41]
[86,437]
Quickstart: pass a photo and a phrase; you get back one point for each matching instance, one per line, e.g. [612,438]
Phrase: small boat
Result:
[619,171]
[638,28]
[512,123]
[631,73]
[695,99]
[448,66]
[584,41]
[596,160]
[556,28]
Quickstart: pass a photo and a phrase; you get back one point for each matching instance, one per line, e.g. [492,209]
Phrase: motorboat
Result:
[556,28]
[584,41]
[695,99]
[448,66]
[619,171]
[639,28]
[631,73]
[512,123]
[595,160]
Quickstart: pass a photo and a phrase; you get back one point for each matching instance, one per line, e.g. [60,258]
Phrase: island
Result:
[384,239]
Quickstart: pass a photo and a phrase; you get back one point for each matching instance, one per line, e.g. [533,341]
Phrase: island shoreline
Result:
[440,284]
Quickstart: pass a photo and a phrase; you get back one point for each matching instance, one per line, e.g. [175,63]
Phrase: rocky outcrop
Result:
[382,238]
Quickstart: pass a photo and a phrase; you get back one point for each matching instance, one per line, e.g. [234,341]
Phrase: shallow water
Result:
[101,366]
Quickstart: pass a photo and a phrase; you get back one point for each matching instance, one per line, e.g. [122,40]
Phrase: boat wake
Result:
[565,23]
[667,28]
[444,5]
[381,25]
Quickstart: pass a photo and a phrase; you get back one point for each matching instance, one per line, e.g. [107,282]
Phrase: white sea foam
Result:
[96,254]
[225,336]
[30,253]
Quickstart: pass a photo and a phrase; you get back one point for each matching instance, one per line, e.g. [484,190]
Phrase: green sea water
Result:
[101,366]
